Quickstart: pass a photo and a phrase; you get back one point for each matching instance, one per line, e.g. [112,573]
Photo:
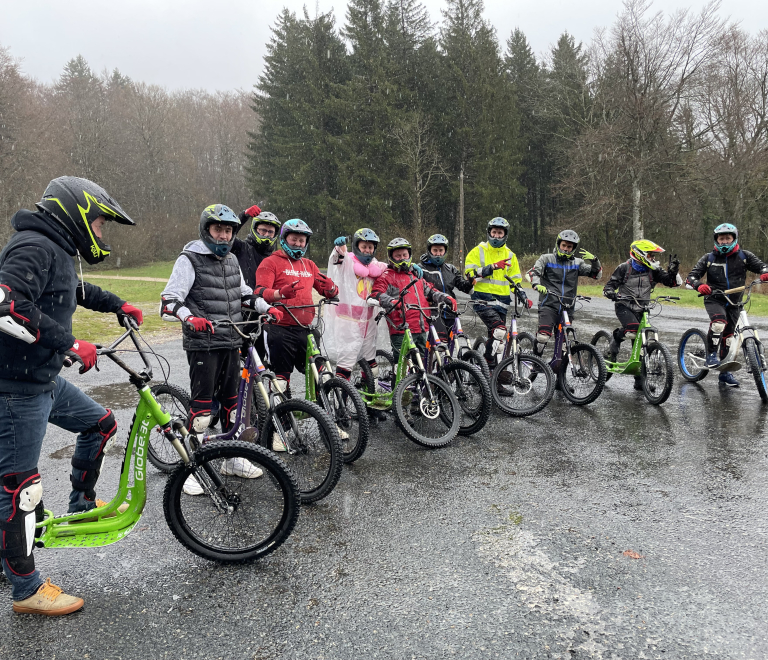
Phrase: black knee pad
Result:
[19,532]
[107,428]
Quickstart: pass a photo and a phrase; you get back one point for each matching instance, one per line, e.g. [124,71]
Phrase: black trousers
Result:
[719,312]
[286,348]
[630,322]
[213,375]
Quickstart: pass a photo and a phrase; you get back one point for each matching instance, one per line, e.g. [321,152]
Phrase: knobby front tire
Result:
[756,367]
[430,423]
[586,385]
[658,373]
[240,520]
[527,394]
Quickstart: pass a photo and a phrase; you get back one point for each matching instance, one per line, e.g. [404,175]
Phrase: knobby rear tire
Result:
[756,367]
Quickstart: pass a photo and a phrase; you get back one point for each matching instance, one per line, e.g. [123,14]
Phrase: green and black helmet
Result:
[265,218]
[396,244]
[75,203]
[369,236]
[218,214]
[570,236]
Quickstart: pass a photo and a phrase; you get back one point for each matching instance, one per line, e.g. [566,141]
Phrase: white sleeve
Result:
[179,284]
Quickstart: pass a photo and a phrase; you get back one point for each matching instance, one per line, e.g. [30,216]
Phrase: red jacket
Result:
[387,287]
[278,269]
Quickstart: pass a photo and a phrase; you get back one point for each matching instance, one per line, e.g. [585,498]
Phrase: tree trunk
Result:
[637,222]
[461,219]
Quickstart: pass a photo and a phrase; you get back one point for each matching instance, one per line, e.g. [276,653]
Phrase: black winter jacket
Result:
[37,266]
[446,278]
[630,282]
[725,272]
[249,257]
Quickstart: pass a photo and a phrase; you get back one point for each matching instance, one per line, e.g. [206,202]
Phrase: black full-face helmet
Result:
[75,203]
[367,235]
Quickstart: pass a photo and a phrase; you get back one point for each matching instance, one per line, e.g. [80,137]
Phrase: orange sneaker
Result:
[48,600]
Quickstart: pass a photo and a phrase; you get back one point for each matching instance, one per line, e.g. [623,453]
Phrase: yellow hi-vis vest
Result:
[484,254]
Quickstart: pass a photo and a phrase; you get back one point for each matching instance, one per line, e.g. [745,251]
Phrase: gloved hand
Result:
[469,279]
[387,305]
[608,293]
[587,256]
[86,354]
[417,271]
[199,324]
[276,314]
[764,277]
[134,312]
[704,289]
[541,289]
[341,240]
[252,212]
[288,291]
[333,293]
[452,302]
[528,303]
[500,264]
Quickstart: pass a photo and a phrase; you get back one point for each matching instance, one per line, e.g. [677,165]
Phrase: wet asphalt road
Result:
[509,544]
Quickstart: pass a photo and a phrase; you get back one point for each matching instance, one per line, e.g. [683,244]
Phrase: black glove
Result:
[386,304]
[521,296]
[610,294]
[674,265]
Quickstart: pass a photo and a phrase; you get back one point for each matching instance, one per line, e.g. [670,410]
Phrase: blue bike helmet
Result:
[498,223]
[726,228]
[294,226]
[218,214]
[436,239]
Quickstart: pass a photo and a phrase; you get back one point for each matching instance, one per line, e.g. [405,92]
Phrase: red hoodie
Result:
[278,269]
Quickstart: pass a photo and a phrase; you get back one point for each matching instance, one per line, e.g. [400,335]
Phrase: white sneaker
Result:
[342,433]
[192,487]
[240,467]
[277,443]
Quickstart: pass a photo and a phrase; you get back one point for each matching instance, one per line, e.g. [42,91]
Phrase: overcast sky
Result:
[220,44]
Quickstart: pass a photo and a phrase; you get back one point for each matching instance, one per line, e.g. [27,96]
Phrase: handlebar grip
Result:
[71,358]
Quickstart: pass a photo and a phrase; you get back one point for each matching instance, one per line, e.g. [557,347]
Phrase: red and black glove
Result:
[199,324]
[252,212]
[86,354]
[764,277]
[276,314]
[329,289]
[134,312]
[704,289]
[452,303]
[501,264]
[288,291]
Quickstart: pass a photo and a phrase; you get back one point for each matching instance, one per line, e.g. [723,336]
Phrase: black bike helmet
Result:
[75,203]
[436,239]
[395,244]
[570,236]
[498,223]
[218,213]
[368,235]
[265,218]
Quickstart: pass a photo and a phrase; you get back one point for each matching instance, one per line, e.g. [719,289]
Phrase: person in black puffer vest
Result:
[444,277]
[725,268]
[206,285]
[39,292]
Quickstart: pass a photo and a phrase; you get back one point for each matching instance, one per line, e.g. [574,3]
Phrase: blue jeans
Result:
[23,422]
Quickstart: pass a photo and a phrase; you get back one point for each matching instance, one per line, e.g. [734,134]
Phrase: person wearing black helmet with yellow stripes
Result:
[259,243]
[39,292]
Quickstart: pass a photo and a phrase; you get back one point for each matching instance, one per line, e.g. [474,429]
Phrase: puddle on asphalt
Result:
[69,451]
[118,396]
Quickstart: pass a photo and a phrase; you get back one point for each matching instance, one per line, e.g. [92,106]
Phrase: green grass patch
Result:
[688,298]
[159,269]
